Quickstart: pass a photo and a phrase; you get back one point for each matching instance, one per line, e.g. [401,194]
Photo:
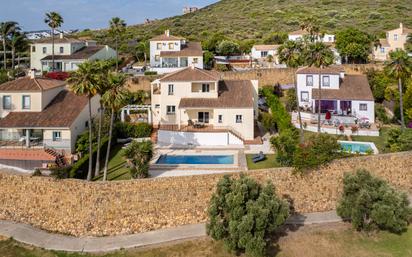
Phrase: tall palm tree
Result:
[6,29]
[114,98]
[102,70]
[18,41]
[116,30]
[399,67]
[311,26]
[85,81]
[143,48]
[291,54]
[319,55]
[54,20]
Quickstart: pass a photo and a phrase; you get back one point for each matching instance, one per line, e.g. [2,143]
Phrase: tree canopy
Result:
[353,45]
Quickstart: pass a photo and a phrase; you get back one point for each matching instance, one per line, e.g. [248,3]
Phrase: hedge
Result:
[126,130]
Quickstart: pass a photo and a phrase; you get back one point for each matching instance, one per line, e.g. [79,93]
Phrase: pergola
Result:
[126,110]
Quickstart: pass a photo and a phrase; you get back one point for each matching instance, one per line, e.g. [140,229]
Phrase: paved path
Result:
[40,238]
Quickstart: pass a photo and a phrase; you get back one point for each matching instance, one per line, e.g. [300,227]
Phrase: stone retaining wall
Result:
[82,208]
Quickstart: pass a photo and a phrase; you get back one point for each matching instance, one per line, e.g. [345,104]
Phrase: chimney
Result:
[192,66]
[401,25]
[167,33]
[61,35]
[32,73]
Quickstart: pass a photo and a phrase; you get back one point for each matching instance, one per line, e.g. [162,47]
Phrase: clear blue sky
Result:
[81,14]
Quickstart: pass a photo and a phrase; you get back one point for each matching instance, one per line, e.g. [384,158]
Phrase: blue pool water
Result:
[195,159]
[355,147]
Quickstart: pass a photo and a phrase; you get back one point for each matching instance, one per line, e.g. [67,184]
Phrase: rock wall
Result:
[83,208]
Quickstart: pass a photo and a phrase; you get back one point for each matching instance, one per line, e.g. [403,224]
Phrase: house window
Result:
[326,81]
[238,118]
[382,50]
[263,54]
[304,96]
[157,106]
[6,102]
[26,102]
[86,124]
[170,110]
[44,50]
[363,107]
[195,60]
[395,37]
[157,58]
[220,118]
[57,135]
[171,46]
[205,88]
[309,80]
[330,39]
[33,49]
[159,46]
[61,50]
[171,89]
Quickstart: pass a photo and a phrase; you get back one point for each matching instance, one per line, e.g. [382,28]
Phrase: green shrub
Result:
[399,140]
[138,156]
[370,203]
[318,150]
[37,173]
[381,114]
[150,73]
[243,214]
[267,120]
[280,115]
[285,145]
[292,102]
[126,130]
[60,173]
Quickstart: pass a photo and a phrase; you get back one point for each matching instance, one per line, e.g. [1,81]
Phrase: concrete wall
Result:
[83,208]
[197,138]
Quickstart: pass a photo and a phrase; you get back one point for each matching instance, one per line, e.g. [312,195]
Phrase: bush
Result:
[292,102]
[318,150]
[126,130]
[267,120]
[243,214]
[381,114]
[285,145]
[280,115]
[60,173]
[150,73]
[399,140]
[37,173]
[370,203]
[138,156]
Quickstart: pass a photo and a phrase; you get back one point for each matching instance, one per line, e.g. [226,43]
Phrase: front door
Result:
[203,117]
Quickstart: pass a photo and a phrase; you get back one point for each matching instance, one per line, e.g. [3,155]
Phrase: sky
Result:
[91,14]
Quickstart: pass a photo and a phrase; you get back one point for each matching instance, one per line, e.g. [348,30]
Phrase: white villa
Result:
[261,52]
[395,39]
[68,53]
[348,98]
[196,107]
[328,39]
[39,112]
[170,53]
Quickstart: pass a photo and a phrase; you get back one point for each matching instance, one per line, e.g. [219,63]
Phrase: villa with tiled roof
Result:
[395,39]
[197,107]
[68,53]
[170,53]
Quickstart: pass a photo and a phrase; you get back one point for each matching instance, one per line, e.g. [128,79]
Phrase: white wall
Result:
[165,47]
[301,85]
[197,138]
[370,113]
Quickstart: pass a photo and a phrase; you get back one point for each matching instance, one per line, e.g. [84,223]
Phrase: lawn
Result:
[316,240]
[117,169]
[378,141]
[269,162]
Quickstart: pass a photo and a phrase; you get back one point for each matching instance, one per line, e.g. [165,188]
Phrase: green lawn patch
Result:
[269,162]
[379,141]
[117,165]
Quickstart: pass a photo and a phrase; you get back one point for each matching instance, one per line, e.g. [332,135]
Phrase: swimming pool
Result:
[358,147]
[195,159]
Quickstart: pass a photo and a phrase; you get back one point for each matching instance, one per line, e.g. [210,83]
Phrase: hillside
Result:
[242,19]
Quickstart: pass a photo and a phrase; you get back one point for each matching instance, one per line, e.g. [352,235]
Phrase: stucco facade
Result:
[395,39]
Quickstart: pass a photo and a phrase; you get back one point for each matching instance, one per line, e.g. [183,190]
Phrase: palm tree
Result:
[312,27]
[54,21]
[319,55]
[114,98]
[291,54]
[85,81]
[143,48]
[399,67]
[18,41]
[116,30]
[6,29]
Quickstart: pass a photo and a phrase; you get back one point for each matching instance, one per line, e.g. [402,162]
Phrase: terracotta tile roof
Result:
[25,154]
[314,70]
[165,37]
[232,94]
[190,49]
[191,74]
[57,40]
[353,87]
[84,53]
[29,84]
[60,113]
[266,47]
[384,42]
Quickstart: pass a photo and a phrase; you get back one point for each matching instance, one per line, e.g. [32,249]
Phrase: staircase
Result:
[60,160]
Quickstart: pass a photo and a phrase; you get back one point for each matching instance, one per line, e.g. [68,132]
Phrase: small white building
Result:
[261,52]
[170,53]
[347,97]
[196,107]
[68,53]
